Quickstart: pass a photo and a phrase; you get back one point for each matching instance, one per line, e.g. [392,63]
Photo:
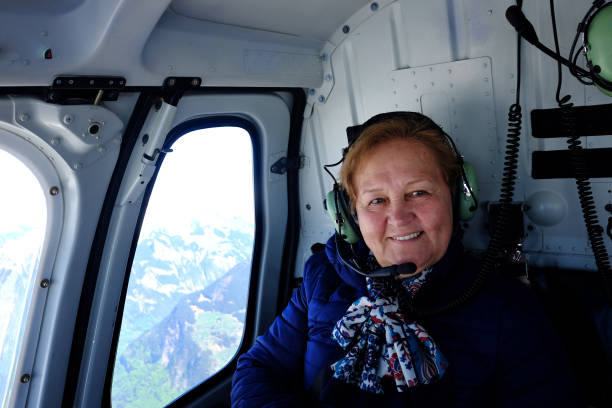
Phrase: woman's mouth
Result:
[408,237]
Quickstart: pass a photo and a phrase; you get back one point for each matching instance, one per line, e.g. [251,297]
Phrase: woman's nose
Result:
[401,212]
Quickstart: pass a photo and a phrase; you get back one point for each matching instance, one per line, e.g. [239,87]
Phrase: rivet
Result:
[24,117]
[323,57]
[374,6]
[328,77]
[91,82]
[25,378]
[77,166]
[346,29]
[44,283]
[54,191]
[311,91]
[321,98]
[55,141]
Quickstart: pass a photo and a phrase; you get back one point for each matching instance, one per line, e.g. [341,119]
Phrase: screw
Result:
[171,82]
[323,57]
[25,378]
[70,82]
[195,82]
[68,119]
[24,117]
[54,191]
[328,77]
[346,29]
[55,141]
[77,166]
[608,208]
[44,283]
[321,98]
[374,6]
[308,207]
[311,91]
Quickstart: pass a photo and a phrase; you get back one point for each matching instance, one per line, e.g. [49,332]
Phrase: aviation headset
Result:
[338,204]
[596,27]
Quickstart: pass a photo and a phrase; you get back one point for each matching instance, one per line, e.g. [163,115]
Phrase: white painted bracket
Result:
[146,152]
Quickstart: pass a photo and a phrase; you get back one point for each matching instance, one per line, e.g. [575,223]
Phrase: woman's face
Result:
[403,204]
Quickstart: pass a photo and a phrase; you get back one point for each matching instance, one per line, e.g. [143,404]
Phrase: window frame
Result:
[44,171]
[249,325]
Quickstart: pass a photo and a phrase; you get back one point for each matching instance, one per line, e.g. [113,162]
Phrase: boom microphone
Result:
[517,19]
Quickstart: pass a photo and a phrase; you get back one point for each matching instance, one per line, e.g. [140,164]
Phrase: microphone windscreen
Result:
[515,16]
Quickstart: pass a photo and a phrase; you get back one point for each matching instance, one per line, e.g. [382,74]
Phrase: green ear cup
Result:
[343,225]
[468,196]
[599,52]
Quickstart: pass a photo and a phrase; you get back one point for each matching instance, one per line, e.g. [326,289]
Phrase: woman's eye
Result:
[377,201]
[418,193]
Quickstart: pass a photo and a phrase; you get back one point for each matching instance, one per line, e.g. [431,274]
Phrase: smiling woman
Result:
[366,341]
[403,204]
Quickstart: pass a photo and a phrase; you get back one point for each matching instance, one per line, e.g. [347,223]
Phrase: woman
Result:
[349,340]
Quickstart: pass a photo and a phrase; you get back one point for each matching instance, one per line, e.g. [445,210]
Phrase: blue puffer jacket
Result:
[501,348]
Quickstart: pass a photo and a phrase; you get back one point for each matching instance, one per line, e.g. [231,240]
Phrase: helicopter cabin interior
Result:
[162,172]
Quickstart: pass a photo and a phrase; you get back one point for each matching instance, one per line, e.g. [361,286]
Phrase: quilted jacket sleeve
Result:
[270,374]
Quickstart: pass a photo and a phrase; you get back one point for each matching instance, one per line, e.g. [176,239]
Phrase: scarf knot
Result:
[381,342]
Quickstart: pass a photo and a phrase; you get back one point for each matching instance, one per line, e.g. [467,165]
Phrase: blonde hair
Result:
[420,129]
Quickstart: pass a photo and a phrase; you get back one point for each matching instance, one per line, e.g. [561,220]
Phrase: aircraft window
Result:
[186,300]
[23,216]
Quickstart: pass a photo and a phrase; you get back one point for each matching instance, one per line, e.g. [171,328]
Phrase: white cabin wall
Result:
[403,36]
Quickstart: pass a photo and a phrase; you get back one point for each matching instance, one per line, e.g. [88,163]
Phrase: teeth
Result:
[407,237]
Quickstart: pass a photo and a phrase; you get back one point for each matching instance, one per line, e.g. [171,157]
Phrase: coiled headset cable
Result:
[581,173]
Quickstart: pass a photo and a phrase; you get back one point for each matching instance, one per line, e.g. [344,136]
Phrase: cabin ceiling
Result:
[316,19]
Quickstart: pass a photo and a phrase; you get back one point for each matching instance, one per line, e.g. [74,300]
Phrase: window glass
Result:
[186,299]
[23,214]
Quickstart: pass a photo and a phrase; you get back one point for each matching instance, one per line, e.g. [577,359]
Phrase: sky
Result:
[22,202]
[208,177]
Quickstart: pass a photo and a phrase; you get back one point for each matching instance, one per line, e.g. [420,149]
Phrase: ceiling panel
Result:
[316,19]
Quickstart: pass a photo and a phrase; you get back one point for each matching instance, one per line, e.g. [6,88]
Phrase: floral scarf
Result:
[382,342]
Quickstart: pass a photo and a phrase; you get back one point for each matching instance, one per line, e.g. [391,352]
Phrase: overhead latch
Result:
[283,164]
[84,90]
[174,88]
